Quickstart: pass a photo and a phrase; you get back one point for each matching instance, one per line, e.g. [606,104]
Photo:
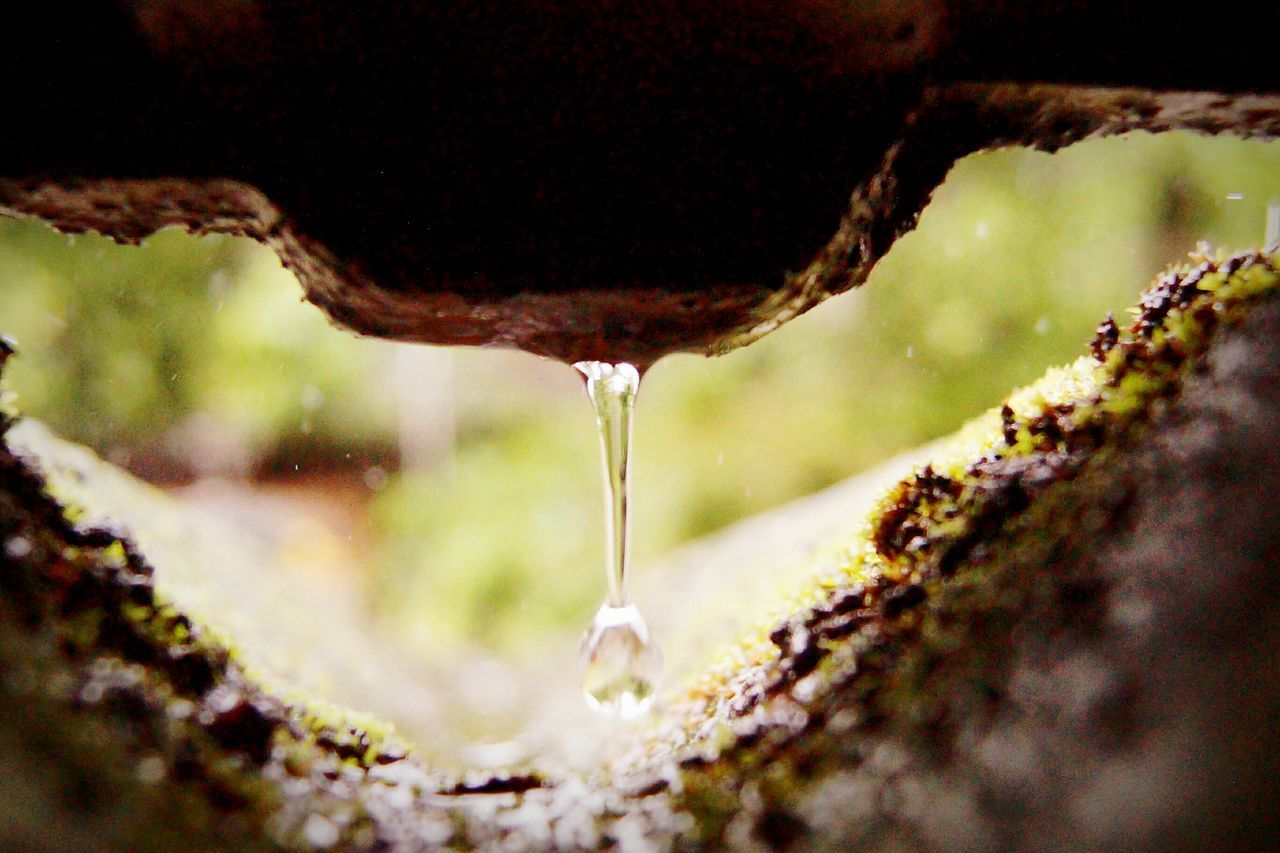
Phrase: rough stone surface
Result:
[604,181]
[1067,642]
[1069,646]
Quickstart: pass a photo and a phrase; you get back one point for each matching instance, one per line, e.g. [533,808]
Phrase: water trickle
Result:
[620,661]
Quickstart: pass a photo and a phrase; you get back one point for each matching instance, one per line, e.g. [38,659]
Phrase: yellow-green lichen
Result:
[923,527]
[889,610]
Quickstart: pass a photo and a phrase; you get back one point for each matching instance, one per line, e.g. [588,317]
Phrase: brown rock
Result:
[581,180]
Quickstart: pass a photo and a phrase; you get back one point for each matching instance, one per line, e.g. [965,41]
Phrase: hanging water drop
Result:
[621,663]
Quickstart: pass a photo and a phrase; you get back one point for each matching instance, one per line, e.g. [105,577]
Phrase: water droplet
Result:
[375,478]
[621,663]
[312,398]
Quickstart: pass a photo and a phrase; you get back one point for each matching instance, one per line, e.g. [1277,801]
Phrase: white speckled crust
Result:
[1111,688]
[1131,702]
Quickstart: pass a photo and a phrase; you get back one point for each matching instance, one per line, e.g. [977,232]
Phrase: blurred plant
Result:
[196,340]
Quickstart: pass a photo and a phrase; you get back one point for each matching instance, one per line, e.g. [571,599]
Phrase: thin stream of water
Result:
[621,663]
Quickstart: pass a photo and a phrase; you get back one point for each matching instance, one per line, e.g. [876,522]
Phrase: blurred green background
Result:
[457,492]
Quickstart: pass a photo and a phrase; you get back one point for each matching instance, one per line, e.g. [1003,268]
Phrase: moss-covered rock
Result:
[1025,642]
[1062,631]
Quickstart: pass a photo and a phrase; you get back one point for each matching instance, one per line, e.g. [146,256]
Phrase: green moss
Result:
[952,552]
[884,637]
[123,654]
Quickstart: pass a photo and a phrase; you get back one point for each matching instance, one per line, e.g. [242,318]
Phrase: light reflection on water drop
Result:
[620,661]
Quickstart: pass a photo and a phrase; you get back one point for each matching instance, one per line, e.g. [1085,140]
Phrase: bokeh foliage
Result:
[202,346]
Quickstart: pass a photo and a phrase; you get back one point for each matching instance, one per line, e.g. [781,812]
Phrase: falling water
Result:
[620,661]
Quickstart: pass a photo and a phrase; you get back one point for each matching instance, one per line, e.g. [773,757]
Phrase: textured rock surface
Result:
[581,180]
[1062,632]
[1065,643]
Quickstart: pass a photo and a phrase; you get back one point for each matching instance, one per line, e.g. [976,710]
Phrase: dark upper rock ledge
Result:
[578,180]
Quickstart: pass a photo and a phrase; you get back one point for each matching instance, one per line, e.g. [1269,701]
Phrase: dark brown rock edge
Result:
[582,181]
[1072,645]
[640,324]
